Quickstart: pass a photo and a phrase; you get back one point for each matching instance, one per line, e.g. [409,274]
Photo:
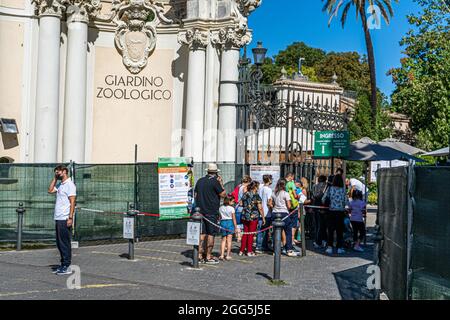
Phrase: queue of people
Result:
[337,206]
[247,213]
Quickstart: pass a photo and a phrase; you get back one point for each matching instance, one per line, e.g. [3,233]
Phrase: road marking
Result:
[156,250]
[164,251]
[174,245]
[108,285]
[141,257]
[89,286]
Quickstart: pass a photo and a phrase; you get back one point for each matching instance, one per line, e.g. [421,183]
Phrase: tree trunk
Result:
[371,61]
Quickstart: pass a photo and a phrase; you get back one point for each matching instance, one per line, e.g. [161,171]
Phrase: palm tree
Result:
[332,7]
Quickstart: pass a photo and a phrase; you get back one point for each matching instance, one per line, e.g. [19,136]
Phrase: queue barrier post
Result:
[131,213]
[196,217]
[20,211]
[278,225]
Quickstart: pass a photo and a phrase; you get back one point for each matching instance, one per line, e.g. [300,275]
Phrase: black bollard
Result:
[196,217]
[278,225]
[20,211]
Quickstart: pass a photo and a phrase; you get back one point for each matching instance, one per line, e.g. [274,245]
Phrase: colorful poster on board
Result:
[174,184]
[257,173]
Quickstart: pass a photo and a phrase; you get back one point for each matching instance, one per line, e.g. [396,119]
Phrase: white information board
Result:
[128,228]
[193,233]
[257,173]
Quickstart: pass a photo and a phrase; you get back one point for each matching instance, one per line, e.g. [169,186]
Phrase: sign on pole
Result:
[193,233]
[257,173]
[331,144]
[128,227]
[174,185]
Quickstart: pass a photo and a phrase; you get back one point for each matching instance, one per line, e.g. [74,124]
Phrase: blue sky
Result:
[278,23]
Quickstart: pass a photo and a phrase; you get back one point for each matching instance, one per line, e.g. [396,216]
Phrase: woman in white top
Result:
[282,204]
[228,224]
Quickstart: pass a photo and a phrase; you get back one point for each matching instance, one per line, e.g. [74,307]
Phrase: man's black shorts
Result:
[208,228]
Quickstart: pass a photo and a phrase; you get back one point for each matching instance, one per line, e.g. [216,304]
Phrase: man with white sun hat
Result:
[208,192]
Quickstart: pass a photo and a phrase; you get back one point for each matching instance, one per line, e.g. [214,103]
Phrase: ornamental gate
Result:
[277,122]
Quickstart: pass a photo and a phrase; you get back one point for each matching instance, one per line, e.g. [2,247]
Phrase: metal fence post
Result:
[20,211]
[132,214]
[196,217]
[278,224]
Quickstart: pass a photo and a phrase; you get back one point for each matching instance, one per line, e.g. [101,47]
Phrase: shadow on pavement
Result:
[352,283]
[264,275]
[349,252]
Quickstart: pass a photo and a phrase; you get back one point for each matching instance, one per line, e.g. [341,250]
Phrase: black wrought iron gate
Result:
[277,124]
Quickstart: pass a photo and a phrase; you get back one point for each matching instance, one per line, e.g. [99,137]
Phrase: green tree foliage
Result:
[352,70]
[289,57]
[423,80]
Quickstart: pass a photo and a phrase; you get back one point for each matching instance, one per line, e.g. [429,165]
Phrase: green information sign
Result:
[174,185]
[331,144]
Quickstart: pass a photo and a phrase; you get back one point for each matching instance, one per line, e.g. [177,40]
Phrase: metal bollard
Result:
[278,225]
[20,211]
[132,214]
[196,217]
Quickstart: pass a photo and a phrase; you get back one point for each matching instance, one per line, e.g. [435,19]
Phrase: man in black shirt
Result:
[208,192]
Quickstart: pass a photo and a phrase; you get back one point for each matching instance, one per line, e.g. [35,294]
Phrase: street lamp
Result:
[259,54]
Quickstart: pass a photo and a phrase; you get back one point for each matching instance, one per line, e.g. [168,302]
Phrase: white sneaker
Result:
[329,250]
[316,246]
[292,253]
[340,251]
[358,248]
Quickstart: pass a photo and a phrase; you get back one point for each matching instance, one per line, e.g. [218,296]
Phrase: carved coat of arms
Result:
[136,22]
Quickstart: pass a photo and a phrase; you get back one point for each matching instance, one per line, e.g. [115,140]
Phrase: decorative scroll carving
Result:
[231,37]
[81,10]
[54,8]
[246,7]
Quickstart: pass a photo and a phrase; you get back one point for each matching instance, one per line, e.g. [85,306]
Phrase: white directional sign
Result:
[193,233]
[128,228]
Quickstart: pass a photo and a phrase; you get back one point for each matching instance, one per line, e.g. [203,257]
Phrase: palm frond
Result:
[383,11]
[388,5]
[345,12]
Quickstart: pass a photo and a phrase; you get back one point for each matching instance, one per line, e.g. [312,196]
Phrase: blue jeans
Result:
[262,238]
[288,230]
[63,242]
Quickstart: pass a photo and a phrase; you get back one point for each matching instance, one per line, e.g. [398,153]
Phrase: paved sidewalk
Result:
[162,271]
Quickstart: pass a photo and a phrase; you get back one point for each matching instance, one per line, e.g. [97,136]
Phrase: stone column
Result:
[47,91]
[211,104]
[195,101]
[76,72]
[232,40]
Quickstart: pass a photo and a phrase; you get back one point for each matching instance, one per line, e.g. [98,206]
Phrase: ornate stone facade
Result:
[89,64]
